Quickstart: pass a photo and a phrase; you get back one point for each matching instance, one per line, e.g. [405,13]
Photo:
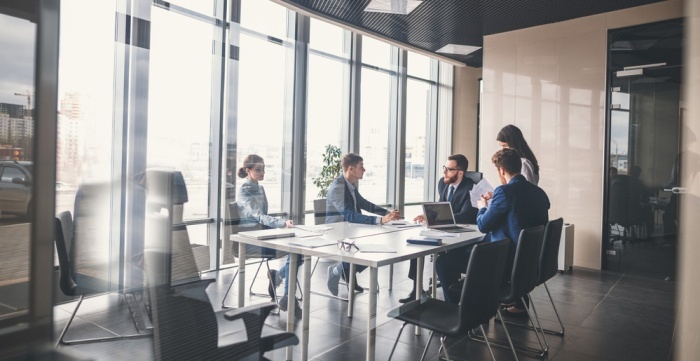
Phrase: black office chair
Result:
[523,280]
[64,238]
[235,224]
[478,300]
[476,177]
[549,261]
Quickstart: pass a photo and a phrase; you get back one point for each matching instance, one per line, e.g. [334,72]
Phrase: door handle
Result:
[676,190]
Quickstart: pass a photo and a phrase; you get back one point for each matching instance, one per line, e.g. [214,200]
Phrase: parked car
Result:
[16,188]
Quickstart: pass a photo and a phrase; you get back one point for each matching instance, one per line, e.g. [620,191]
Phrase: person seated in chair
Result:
[515,205]
[252,203]
[453,187]
[344,203]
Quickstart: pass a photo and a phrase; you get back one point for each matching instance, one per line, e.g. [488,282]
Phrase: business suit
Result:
[513,207]
[341,206]
[461,208]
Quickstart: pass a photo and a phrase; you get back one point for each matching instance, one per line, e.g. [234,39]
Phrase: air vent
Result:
[400,7]
[458,49]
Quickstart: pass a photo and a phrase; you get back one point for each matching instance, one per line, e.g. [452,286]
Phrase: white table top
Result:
[365,234]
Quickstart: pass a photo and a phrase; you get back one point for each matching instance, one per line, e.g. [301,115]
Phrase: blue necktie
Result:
[450,194]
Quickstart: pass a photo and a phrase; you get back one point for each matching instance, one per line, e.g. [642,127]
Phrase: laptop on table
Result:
[268,233]
[439,217]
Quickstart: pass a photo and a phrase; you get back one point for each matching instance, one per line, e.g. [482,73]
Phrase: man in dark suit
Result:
[344,203]
[515,205]
[453,187]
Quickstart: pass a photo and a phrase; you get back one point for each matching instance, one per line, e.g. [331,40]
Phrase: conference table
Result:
[374,239]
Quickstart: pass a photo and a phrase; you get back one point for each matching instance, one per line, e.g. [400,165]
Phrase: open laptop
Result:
[268,233]
[439,217]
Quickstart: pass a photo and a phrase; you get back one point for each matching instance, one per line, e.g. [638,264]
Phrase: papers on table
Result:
[439,234]
[313,242]
[314,229]
[375,248]
[480,188]
[401,224]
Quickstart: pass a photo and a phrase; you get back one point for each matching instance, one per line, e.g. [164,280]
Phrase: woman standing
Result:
[252,204]
[510,136]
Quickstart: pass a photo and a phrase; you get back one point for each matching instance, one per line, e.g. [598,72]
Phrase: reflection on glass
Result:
[375,115]
[376,53]
[418,65]
[17,38]
[275,17]
[327,38]
[417,120]
[180,102]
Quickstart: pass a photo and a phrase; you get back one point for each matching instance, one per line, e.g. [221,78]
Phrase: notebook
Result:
[439,217]
[268,233]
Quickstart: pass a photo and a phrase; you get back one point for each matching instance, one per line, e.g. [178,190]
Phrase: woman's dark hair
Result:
[511,135]
[249,163]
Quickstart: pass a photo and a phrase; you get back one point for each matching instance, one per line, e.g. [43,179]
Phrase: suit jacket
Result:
[340,205]
[514,207]
[461,202]
[252,206]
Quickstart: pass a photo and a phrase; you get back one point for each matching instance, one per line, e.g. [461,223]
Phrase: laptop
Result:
[268,233]
[439,217]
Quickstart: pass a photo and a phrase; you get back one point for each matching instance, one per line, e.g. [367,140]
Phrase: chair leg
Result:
[532,323]
[537,318]
[70,320]
[250,289]
[223,301]
[505,328]
[488,344]
[555,311]
[425,350]
[444,347]
[397,340]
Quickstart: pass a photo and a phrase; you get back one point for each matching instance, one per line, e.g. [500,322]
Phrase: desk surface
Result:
[393,237]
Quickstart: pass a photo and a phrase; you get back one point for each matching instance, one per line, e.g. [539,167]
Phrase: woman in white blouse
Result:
[510,136]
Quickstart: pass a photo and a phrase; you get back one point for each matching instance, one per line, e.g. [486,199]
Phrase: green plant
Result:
[330,170]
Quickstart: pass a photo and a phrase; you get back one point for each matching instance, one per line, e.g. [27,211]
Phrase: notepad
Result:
[375,248]
[312,242]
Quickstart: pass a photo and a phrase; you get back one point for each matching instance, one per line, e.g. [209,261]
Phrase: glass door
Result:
[643,168]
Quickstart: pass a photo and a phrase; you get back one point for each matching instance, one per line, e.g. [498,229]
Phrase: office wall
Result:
[550,81]
[466,98]
[687,345]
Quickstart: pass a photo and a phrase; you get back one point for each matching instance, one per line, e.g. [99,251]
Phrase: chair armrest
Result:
[253,317]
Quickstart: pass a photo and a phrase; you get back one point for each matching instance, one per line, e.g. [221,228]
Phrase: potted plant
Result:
[329,172]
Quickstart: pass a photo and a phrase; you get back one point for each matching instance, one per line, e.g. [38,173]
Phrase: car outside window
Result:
[11,172]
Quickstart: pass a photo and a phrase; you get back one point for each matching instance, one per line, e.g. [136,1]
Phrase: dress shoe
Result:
[297,308]
[332,281]
[412,296]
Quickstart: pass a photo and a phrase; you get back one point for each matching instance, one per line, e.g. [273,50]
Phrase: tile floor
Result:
[608,316]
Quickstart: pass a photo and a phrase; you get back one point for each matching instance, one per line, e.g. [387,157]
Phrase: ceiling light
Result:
[401,7]
[458,49]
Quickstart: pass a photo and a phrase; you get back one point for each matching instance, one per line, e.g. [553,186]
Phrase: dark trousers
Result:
[346,270]
[450,266]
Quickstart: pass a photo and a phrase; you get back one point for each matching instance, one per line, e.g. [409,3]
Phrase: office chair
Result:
[72,286]
[234,224]
[476,177]
[523,280]
[478,300]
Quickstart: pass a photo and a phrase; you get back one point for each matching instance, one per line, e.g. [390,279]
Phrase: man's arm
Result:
[492,217]
[336,196]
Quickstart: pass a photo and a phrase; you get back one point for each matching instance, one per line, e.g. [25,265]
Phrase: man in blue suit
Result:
[344,203]
[515,205]
[453,187]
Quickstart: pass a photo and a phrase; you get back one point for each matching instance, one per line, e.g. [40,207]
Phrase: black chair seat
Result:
[432,314]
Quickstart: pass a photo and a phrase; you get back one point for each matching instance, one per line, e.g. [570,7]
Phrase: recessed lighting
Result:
[458,49]
[401,7]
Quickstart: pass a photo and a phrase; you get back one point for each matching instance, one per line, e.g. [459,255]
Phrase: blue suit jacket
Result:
[514,207]
[341,207]
[461,202]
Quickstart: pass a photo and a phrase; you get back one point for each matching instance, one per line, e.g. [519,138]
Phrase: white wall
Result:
[550,82]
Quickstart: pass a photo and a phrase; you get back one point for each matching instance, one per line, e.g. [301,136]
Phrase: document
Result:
[480,188]
[313,242]
[375,248]
[401,224]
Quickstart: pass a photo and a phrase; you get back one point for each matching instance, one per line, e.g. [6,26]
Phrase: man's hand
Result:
[419,218]
[391,216]
[487,196]
[482,202]
[289,224]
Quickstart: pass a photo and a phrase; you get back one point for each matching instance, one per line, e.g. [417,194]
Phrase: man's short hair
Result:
[350,159]
[508,159]
[462,162]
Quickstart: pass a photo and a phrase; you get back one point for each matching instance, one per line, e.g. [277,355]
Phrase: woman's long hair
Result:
[511,135]
[249,163]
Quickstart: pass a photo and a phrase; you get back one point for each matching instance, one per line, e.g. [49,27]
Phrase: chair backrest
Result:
[479,299]
[319,211]
[63,231]
[474,176]
[526,263]
[232,225]
[549,257]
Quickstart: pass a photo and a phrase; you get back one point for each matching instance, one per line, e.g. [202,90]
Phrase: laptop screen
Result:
[438,213]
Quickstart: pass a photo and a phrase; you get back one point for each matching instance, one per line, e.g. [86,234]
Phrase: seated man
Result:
[453,187]
[344,203]
[515,205]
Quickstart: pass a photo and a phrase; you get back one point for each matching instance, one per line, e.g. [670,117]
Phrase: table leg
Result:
[351,289]
[306,308]
[241,274]
[372,317]
[391,276]
[435,280]
[292,291]
[419,283]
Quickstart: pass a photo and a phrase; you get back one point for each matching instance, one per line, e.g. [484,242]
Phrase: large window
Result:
[327,99]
